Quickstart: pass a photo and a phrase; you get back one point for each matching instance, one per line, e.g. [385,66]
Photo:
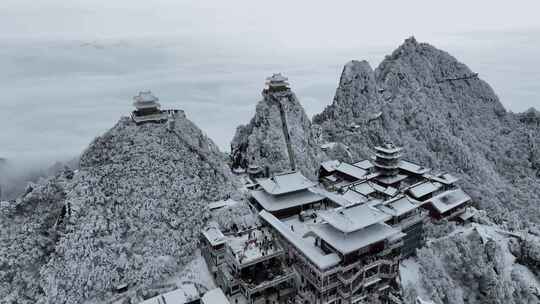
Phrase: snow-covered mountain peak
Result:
[130,215]
[279,136]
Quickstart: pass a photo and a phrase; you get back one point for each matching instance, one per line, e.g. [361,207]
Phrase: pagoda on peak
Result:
[277,83]
[147,108]
[386,159]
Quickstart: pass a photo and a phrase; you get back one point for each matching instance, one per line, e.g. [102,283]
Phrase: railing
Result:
[150,117]
[231,256]
[344,292]
[347,279]
[406,223]
[250,288]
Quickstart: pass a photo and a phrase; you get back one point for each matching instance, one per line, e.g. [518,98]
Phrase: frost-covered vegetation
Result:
[27,238]
[446,118]
[475,265]
[133,213]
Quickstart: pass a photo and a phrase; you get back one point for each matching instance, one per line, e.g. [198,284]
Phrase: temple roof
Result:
[354,217]
[277,77]
[347,243]
[285,183]
[145,99]
[345,168]
[448,200]
[388,149]
[274,203]
[145,96]
[321,259]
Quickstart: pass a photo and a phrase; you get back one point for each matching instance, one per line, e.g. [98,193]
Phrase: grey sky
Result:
[300,23]
[210,58]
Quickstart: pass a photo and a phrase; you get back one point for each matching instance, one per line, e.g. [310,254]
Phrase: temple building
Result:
[277,83]
[285,194]
[255,270]
[212,245]
[342,255]
[339,241]
[147,108]
[386,159]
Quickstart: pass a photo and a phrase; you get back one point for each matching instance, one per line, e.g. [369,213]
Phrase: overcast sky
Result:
[299,23]
[210,58]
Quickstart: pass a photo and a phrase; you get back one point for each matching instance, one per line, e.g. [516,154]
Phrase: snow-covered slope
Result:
[133,211]
[477,264]
[446,117]
[262,142]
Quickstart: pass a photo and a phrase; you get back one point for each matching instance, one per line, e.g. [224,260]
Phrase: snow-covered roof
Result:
[353,217]
[390,191]
[354,197]
[364,188]
[221,204]
[330,165]
[215,296]
[214,235]
[399,205]
[319,258]
[285,183]
[187,293]
[449,200]
[445,178]
[145,99]
[351,170]
[145,96]
[280,202]
[365,164]
[277,77]
[388,149]
[387,156]
[412,167]
[336,198]
[388,180]
[345,168]
[425,188]
[349,242]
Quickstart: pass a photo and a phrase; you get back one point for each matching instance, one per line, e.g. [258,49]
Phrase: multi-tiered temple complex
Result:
[338,240]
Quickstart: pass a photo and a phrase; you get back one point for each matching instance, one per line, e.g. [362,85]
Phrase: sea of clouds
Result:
[56,96]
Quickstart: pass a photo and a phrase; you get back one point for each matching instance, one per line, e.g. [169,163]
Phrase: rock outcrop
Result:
[129,215]
[263,142]
[474,265]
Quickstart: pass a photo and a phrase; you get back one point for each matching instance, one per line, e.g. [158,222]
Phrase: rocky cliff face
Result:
[446,117]
[263,142]
[130,215]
